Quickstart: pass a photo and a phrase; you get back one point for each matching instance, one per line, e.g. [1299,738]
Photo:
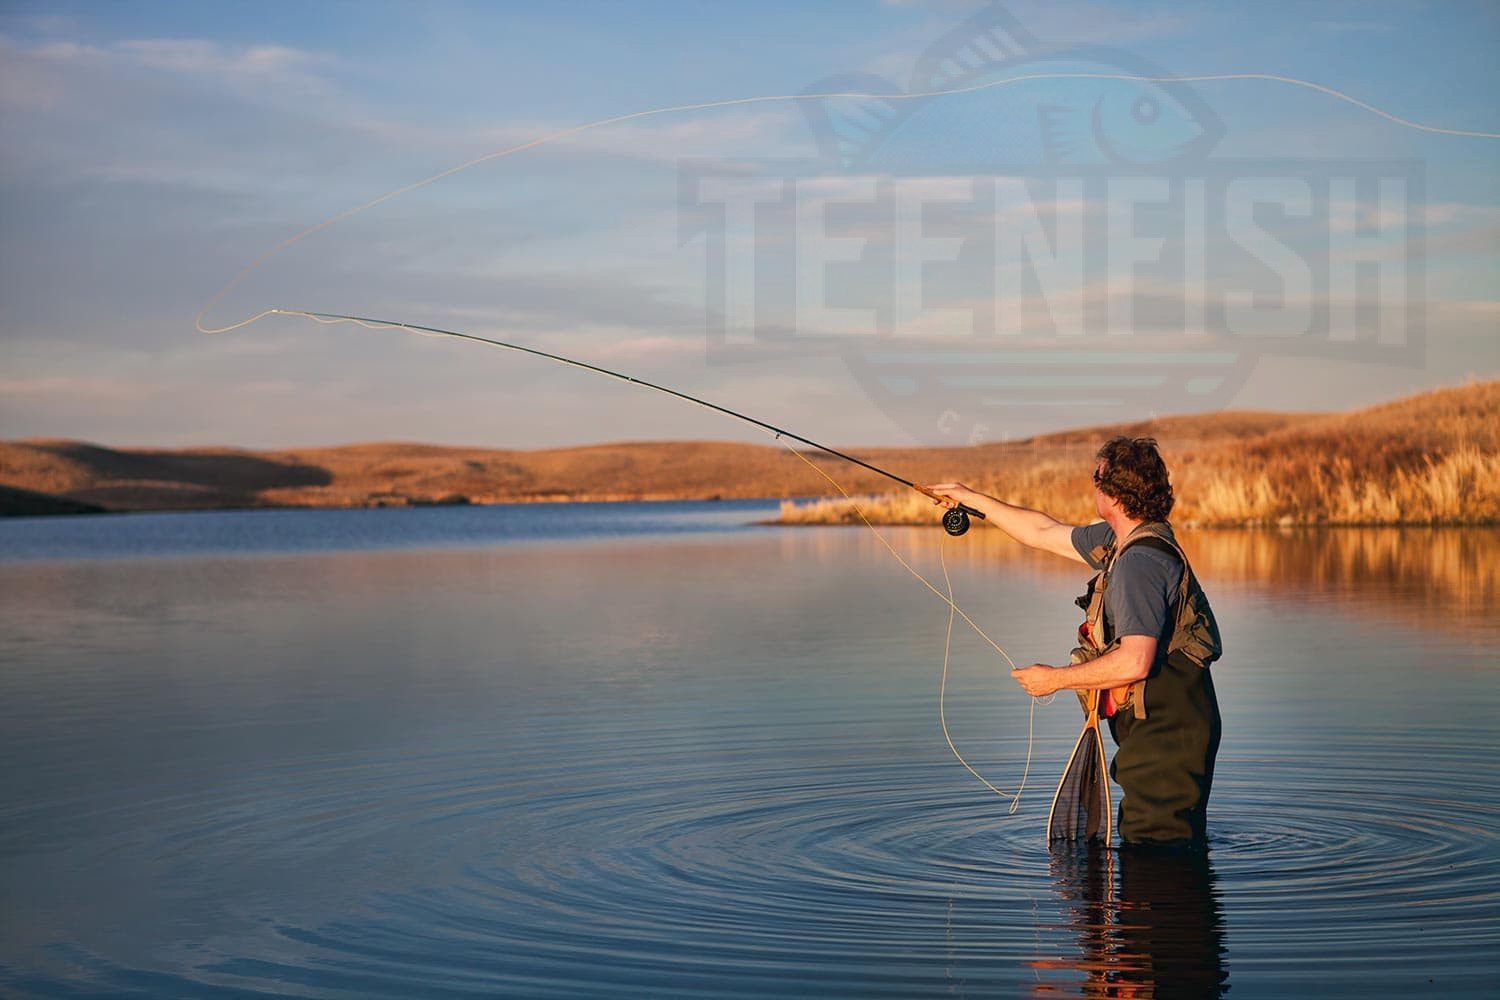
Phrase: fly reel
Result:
[956,520]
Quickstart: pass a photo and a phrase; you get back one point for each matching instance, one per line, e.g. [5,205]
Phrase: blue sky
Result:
[149,151]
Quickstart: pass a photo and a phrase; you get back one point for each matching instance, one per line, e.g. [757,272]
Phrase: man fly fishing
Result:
[1144,648]
[1152,623]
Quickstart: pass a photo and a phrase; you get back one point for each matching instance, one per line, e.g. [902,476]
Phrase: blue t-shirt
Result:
[1142,586]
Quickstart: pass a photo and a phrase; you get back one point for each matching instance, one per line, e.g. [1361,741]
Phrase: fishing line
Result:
[334,319]
[743,101]
[1015,798]
[953,610]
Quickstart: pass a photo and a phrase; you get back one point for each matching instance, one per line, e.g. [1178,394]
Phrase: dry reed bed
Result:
[1432,459]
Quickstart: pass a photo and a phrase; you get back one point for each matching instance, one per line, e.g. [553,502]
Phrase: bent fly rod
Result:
[955,519]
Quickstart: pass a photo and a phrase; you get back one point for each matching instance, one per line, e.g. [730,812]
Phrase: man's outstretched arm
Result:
[1029,527]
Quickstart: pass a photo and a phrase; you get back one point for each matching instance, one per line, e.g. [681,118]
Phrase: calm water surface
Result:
[652,750]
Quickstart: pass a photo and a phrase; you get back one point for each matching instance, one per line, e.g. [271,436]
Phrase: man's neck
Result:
[1122,526]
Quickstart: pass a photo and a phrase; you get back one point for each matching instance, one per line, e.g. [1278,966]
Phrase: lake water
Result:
[655,750]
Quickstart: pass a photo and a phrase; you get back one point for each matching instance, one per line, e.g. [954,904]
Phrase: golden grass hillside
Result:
[1428,459]
[397,474]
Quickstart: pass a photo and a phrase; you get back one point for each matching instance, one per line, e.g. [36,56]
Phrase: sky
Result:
[151,151]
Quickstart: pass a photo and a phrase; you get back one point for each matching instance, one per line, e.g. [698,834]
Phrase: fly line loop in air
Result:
[565,133]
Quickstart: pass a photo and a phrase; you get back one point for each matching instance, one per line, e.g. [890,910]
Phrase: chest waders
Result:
[1166,726]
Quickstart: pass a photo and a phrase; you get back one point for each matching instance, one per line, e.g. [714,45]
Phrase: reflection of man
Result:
[1161,934]
[1145,645]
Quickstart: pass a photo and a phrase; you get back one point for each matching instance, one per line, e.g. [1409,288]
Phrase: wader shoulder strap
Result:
[1195,633]
[1135,695]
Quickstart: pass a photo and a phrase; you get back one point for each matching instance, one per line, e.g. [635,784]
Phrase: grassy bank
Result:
[1430,459]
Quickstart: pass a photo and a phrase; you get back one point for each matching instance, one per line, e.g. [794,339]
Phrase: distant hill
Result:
[1244,461]
[25,503]
[402,474]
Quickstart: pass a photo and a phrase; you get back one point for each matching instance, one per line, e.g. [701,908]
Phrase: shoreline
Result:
[852,521]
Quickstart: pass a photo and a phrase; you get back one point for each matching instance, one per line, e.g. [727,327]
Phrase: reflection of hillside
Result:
[1435,574]
[1447,569]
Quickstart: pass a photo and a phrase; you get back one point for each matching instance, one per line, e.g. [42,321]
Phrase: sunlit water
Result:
[653,750]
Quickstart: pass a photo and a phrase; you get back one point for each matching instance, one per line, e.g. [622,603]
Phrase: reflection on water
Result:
[1154,930]
[1446,575]
[1422,573]
[708,763]
[141,535]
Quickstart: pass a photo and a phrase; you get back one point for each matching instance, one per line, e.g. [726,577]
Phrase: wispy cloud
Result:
[78,389]
[200,56]
[187,112]
[651,348]
[766,130]
[207,61]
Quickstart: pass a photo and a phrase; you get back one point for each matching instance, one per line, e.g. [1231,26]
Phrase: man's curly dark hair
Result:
[1132,472]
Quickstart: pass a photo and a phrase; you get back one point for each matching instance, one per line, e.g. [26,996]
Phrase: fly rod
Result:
[955,519]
